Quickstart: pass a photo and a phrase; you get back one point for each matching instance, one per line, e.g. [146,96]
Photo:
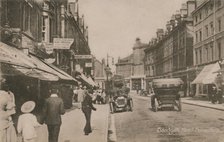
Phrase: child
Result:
[27,122]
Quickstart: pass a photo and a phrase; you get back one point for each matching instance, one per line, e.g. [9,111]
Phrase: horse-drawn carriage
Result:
[120,99]
[166,93]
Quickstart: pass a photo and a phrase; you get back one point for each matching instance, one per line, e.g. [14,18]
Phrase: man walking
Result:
[87,108]
[53,109]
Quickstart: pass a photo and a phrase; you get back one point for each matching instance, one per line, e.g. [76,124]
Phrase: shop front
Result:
[29,78]
[205,79]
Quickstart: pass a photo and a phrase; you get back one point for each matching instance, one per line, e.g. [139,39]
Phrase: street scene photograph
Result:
[111,70]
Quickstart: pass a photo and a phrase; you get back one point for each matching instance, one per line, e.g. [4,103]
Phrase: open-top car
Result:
[166,93]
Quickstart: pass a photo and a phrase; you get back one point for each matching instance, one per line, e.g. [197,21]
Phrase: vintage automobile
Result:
[166,93]
[121,102]
[120,99]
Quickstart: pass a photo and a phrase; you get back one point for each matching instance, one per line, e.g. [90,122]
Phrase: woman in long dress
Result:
[7,108]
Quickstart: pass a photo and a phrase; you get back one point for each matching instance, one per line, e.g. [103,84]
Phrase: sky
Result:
[113,25]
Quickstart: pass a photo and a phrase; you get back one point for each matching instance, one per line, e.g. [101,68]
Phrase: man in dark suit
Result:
[87,108]
[53,109]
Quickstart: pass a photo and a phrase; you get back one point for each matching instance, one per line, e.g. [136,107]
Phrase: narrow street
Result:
[192,124]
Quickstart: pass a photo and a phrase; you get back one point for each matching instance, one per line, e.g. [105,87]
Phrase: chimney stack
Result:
[191,5]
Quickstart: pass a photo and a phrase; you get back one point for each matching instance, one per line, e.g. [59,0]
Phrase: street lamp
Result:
[108,74]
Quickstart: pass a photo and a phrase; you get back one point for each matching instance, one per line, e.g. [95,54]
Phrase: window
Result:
[200,16]
[196,19]
[200,55]
[219,25]
[207,54]
[206,11]
[200,35]
[219,50]
[212,52]
[219,3]
[26,17]
[196,57]
[196,36]
[206,30]
[212,28]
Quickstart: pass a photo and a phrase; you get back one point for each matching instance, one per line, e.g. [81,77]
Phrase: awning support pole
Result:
[38,88]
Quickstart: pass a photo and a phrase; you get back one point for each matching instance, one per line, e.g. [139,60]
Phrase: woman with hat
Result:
[27,122]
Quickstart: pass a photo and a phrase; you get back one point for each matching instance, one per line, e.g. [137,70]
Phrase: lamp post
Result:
[108,72]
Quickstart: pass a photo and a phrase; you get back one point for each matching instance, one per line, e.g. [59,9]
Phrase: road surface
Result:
[193,124]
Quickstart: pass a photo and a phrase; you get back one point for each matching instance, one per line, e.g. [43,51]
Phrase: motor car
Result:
[121,102]
[166,94]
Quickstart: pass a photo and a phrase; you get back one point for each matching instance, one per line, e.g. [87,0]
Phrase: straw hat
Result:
[28,106]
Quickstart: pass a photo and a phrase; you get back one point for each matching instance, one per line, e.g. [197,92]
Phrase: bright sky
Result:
[115,24]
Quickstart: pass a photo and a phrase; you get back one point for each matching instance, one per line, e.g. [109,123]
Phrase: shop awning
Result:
[85,79]
[37,74]
[30,65]
[207,75]
[62,74]
[92,82]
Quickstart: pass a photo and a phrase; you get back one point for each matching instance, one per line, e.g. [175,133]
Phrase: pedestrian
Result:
[27,122]
[81,93]
[75,93]
[53,109]
[87,108]
[7,129]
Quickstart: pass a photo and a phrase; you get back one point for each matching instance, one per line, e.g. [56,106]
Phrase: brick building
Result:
[208,42]
[171,53]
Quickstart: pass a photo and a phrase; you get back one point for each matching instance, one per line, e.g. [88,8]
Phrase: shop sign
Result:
[88,64]
[83,56]
[62,43]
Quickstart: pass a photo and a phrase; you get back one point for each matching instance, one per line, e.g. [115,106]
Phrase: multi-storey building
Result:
[132,67]
[48,29]
[99,72]
[208,42]
[124,67]
[171,54]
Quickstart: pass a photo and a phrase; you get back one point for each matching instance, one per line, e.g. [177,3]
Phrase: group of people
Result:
[216,94]
[52,110]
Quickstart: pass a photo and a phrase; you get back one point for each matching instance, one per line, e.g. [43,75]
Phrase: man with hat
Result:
[53,109]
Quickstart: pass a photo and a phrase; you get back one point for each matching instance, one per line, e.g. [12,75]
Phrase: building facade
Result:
[49,29]
[171,53]
[99,72]
[132,67]
[208,40]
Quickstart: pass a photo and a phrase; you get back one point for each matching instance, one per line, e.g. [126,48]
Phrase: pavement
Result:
[202,102]
[73,122]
